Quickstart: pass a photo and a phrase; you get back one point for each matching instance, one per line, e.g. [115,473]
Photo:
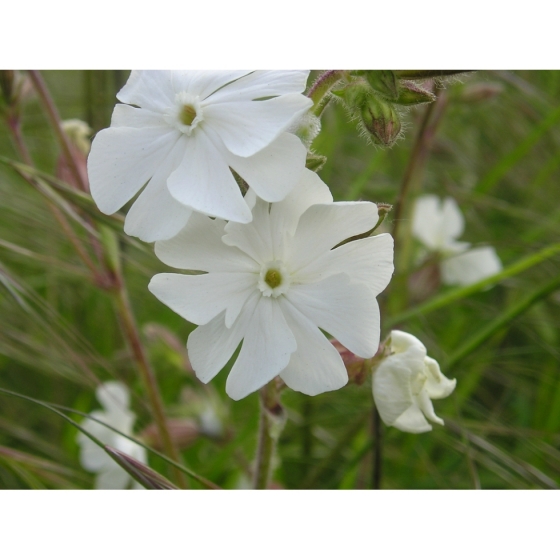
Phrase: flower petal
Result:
[151,89]
[310,190]
[156,214]
[249,126]
[412,421]
[347,311]
[470,267]
[199,246]
[452,221]
[204,182]
[427,408]
[133,117]
[391,389]
[316,365]
[401,341]
[275,170]
[254,239]
[266,350]
[437,385]
[335,222]
[114,478]
[200,298]
[113,395]
[212,345]
[123,159]
[205,82]
[426,221]
[263,83]
[368,261]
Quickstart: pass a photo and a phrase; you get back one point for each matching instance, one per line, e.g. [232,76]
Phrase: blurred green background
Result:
[495,148]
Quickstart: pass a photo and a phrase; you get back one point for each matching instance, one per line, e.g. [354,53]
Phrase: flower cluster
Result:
[438,225]
[114,398]
[275,266]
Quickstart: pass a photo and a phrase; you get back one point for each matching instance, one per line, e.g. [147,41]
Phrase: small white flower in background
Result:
[438,225]
[404,383]
[189,129]
[114,398]
[274,283]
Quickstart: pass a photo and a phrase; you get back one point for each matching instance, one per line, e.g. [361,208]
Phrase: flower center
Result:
[186,113]
[274,279]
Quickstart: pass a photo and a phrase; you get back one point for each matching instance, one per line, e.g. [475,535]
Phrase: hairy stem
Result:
[320,89]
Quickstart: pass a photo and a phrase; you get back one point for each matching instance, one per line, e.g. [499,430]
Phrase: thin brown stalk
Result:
[54,119]
[420,152]
[148,376]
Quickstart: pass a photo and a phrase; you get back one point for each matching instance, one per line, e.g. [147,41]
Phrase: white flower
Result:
[115,400]
[188,130]
[438,226]
[274,283]
[404,383]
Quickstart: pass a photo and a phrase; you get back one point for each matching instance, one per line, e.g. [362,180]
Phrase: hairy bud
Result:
[315,162]
[413,94]
[383,82]
[381,120]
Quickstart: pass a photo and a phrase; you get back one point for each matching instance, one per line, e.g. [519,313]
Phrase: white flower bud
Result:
[405,382]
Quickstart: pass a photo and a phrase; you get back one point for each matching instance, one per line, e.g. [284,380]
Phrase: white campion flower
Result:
[405,381]
[438,225]
[114,398]
[274,283]
[182,132]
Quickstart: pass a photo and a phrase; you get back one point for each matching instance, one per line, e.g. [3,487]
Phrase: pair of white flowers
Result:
[275,271]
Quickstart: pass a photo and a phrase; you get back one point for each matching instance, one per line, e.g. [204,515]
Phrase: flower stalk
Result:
[271,423]
[319,91]
[54,119]
[132,335]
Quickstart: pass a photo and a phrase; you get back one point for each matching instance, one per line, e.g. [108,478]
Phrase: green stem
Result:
[271,423]
[377,467]
[320,89]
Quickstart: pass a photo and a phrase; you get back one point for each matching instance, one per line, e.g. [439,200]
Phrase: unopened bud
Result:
[481,91]
[383,82]
[355,94]
[315,162]
[381,120]
[78,133]
[413,94]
